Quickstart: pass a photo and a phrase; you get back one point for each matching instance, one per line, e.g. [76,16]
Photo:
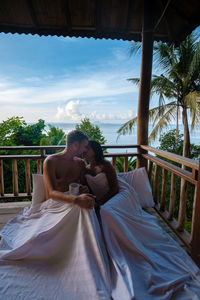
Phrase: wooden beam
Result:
[145,80]
[67,15]
[32,13]
[97,15]
[191,163]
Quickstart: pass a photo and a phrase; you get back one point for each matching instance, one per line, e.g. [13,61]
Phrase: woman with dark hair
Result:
[101,177]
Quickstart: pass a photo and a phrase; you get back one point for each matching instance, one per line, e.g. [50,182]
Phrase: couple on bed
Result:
[66,167]
[56,250]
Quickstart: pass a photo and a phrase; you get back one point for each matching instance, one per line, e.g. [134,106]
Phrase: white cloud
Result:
[70,111]
[74,111]
[102,95]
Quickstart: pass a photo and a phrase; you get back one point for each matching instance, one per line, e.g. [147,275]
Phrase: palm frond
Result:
[135,81]
[164,56]
[127,127]
[135,48]
[192,103]
[154,113]
[163,85]
[162,123]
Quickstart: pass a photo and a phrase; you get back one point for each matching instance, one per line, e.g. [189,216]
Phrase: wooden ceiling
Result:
[115,19]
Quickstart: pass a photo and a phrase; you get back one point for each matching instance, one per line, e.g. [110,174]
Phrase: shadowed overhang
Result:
[173,20]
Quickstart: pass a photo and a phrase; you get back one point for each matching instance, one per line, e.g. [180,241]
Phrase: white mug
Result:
[74,188]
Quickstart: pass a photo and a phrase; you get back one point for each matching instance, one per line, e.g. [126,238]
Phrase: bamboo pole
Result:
[28,176]
[1,178]
[15,177]
[145,80]
[155,184]
[182,207]
[39,166]
[172,197]
[163,192]
[126,164]
[150,171]
[114,162]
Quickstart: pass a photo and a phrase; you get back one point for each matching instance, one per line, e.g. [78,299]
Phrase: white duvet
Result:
[57,251]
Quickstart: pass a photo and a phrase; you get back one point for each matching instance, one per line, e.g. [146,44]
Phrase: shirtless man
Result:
[63,168]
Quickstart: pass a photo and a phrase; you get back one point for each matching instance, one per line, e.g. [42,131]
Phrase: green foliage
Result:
[179,83]
[172,143]
[55,136]
[92,131]
[8,130]
[169,142]
[29,135]
[120,164]
[14,132]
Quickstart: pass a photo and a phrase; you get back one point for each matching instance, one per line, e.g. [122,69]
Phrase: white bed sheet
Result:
[148,261]
[54,251]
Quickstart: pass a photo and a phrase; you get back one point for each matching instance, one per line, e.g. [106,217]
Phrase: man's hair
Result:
[76,136]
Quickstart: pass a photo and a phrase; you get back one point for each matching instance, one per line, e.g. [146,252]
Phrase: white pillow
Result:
[98,184]
[139,180]
[38,189]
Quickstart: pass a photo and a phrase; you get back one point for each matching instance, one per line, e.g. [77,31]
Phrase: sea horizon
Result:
[109,131]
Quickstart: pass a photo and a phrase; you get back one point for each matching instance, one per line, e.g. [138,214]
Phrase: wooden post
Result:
[150,172]
[195,235]
[1,178]
[172,197]
[28,176]
[145,81]
[164,183]
[39,166]
[15,177]
[182,207]
[126,164]
[114,162]
[156,184]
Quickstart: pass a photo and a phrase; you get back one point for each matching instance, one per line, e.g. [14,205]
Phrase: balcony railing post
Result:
[150,171]
[39,166]
[126,164]
[172,197]
[164,183]
[15,177]
[195,235]
[28,176]
[182,207]
[1,178]
[156,184]
[114,162]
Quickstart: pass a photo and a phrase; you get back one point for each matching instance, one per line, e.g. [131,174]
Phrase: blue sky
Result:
[67,79]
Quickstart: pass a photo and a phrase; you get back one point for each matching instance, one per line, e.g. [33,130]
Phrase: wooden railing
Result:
[160,180]
[165,204]
[39,158]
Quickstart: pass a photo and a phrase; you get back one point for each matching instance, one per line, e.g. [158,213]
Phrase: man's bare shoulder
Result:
[80,161]
[52,158]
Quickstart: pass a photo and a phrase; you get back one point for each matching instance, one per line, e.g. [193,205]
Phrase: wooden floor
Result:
[9,210]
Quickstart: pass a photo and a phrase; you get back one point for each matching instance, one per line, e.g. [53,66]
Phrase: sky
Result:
[66,79]
[61,79]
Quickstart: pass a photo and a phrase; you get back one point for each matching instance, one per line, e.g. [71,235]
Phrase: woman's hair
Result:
[98,152]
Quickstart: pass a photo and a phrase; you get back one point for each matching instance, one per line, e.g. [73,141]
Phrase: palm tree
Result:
[179,83]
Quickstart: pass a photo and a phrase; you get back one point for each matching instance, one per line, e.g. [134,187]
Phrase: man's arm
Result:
[84,200]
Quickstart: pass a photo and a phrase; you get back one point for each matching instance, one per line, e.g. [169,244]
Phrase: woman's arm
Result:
[111,175]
